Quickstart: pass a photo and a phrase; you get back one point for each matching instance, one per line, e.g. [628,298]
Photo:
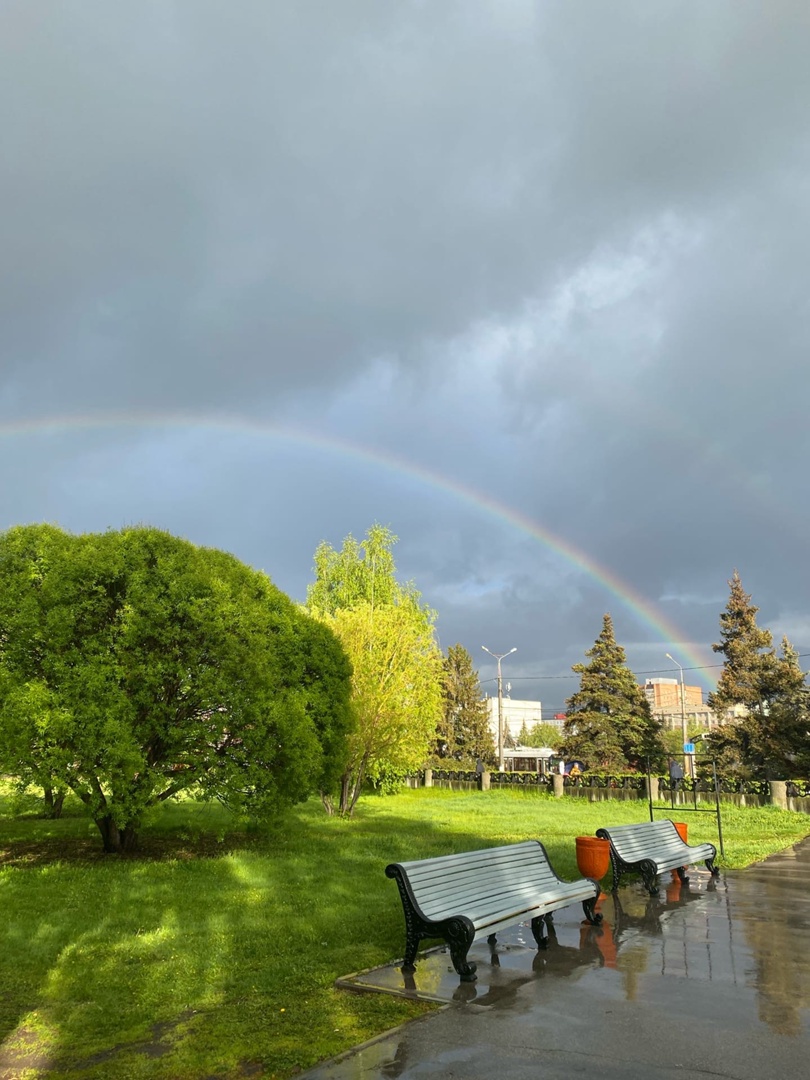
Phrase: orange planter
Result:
[593,856]
[683,830]
[674,889]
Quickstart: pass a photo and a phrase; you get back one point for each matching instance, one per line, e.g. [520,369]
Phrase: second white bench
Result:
[651,847]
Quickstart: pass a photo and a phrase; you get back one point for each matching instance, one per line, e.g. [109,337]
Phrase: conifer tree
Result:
[464,733]
[772,742]
[772,739]
[781,739]
[791,685]
[609,723]
[750,674]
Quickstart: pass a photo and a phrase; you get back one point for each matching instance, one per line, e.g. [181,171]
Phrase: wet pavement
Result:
[711,978]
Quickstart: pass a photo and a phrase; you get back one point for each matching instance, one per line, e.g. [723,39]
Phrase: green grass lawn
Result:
[214,951]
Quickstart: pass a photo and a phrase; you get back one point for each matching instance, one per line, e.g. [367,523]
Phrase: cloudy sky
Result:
[525,281]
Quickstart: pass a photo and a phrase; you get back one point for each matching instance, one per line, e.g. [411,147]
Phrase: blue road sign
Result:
[689,748]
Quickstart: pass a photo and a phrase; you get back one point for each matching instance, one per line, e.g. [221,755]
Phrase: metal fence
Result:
[623,786]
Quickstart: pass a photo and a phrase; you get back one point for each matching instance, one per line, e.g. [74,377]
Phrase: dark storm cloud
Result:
[203,205]
[287,195]
[554,253]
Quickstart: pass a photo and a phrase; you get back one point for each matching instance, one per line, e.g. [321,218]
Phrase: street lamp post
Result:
[499,657]
[689,759]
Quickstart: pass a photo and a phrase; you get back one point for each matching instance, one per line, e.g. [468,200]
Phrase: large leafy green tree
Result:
[134,665]
[389,637]
[609,724]
[464,734]
[396,695]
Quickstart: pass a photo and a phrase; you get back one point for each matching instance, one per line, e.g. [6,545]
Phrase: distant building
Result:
[515,715]
[664,696]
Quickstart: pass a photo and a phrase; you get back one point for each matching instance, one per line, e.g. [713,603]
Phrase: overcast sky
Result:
[527,282]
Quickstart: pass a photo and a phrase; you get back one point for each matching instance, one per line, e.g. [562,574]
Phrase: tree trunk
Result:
[354,786]
[117,841]
[345,783]
[53,802]
[356,791]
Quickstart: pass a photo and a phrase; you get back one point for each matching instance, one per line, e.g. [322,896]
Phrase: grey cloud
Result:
[555,253]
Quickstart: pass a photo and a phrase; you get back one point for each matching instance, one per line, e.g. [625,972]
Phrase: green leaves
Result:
[396,682]
[134,665]
[359,572]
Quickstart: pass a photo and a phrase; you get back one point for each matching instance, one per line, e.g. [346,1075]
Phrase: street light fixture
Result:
[499,657]
[689,759]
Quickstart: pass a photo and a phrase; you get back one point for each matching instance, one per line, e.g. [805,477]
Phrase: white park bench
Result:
[649,848]
[462,898]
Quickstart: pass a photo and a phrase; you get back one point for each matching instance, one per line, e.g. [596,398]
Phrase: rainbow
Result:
[642,610]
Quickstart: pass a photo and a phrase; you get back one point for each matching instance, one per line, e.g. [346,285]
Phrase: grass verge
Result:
[214,951]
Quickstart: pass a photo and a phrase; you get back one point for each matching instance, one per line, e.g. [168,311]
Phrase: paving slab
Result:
[711,978]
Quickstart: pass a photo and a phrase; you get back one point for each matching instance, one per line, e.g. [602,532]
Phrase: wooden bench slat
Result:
[457,879]
[523,905]
[481,908]
[513,853]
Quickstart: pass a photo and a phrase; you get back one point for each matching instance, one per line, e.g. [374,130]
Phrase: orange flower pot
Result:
[593,856]
[683,830]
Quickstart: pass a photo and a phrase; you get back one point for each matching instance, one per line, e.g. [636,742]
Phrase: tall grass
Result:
[215,950]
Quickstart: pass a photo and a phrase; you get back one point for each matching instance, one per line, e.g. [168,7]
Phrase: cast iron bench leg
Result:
[411,949]
[591,915]
[539,925]
[615,866]
[460,937]
[649,877]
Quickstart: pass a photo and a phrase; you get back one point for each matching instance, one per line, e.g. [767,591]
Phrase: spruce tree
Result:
[609,723]
[750,674]
[464,733]
[771,741]
[790,688]
[781,740]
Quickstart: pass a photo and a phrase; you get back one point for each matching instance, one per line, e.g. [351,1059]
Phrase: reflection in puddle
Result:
[771,900]
[727,961]
[750,929]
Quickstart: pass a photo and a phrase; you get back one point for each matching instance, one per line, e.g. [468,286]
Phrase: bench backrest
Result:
[449,884]
[645,840]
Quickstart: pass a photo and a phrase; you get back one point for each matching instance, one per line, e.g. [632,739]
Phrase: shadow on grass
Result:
[213,952]
[208,957]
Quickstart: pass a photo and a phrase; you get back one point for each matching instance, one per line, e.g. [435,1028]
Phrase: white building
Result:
[515,715]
